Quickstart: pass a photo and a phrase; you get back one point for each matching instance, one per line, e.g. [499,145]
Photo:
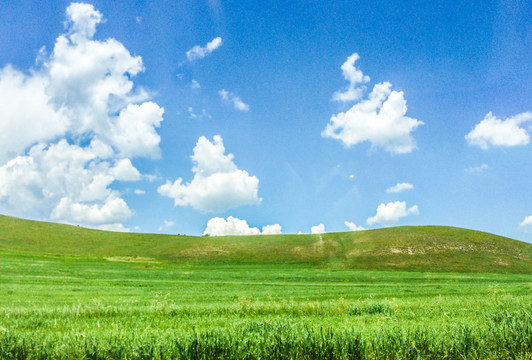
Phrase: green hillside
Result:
[407,248]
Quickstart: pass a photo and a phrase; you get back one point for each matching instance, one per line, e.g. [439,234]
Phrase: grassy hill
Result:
[407,248]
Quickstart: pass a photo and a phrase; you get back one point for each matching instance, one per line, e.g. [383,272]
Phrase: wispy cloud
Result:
[199,52]
[477,169]
[231,98]
[400,188]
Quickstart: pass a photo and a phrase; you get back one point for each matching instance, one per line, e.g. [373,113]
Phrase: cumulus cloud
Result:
[199,52]
[70,127]
[233,226]
[353,227]
[218,184]
[399,188]
[318,229]
[231,98]
[274,229]
[527,222]
[380,119]
[355,77]
[492,131]
[68,182]
[22,125]
[391,213]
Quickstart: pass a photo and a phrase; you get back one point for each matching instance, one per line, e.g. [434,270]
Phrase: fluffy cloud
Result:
[218,184]
[68,182]
[70,127]
[22,124]
[113,210]
[233,226]
[318,229]
[379,119]
[82,19]
[233,99]
[492,131]
[274,229]
[391,213]
[399,188]
[527,222]
[355,77]
[199,52]
[353,227]
[133,132]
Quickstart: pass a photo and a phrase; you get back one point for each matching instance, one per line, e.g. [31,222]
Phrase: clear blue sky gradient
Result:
[455,61]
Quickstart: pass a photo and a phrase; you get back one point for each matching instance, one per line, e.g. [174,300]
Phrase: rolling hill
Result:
[406,248]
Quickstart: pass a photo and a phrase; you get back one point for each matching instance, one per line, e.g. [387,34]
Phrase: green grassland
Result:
[421,248]
[399,293]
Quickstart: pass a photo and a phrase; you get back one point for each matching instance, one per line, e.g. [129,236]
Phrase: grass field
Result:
[126,305]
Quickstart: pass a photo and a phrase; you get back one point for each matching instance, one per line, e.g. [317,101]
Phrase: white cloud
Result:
[134,134]
[355,77]
[235,100]
[492,131]
[70,127]
[115,227]
[218,184]
[82,20]
[195,84]
[399,188]
[477,169]
[113,210]
[139,192]
[392,212]
[23,124]
[527,222]
[198,52]
[318,229]
[125,171]
[233,226]
[379,119]
[67,182]
[202,115]
[274,229]
[353,227]
[166,225]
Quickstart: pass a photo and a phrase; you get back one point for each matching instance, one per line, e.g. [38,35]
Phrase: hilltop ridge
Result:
[405,248]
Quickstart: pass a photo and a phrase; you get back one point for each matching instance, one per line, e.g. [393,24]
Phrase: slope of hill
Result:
[407,248]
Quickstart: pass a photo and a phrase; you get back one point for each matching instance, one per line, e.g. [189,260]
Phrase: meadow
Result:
[399,293]
[65,307]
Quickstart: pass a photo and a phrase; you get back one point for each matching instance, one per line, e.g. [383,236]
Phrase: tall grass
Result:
[507,339]
[79,308]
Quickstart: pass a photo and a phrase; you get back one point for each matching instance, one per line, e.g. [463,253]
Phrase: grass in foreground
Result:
[64,308]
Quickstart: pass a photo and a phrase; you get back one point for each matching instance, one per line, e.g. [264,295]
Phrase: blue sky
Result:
[341,116]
